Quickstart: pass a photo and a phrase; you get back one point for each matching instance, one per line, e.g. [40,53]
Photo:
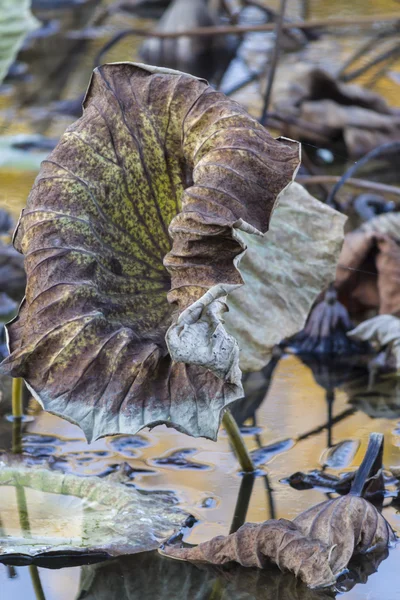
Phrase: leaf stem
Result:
[17,405]
[36,583]
[239,447]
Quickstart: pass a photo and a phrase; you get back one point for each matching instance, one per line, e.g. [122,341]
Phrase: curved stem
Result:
[239,447]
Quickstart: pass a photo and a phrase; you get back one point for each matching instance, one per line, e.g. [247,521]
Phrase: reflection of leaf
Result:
[157,155]
[384,332]
[380,398]
[317,545]
[340,455]
[283,274]
[81,515]
[16,20]
[152,577]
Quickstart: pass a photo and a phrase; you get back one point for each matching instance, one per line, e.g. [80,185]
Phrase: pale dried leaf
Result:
[16,20]
[284,272]
[383,331]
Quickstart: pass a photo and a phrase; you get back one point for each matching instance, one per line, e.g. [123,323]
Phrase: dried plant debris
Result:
[202,56]
[368,273]
[383,332]
[325,330]
[50,513]
[16,21]
[328,111]
[299,227]
[374,490]
[131,242]
[317,546]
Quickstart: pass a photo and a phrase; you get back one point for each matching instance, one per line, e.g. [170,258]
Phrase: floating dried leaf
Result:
[255,545]
[316,546]
[65,514]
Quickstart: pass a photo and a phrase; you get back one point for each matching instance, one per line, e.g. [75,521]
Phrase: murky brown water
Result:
[203,474]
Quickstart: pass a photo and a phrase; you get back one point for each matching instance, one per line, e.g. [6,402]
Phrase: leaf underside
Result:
[130,222]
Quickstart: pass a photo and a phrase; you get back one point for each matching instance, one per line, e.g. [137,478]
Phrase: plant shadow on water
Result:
[220,498]
[318,431]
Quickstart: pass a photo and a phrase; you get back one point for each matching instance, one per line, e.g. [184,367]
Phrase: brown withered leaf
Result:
[256,545]
[368,273]
[130,222]
[316,546]
[319,108]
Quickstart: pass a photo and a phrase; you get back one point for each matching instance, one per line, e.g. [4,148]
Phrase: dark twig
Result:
[375,153]
[274,62]
[236,87]
[340,417]
[392,53]
[363,49]
[352,181]
[366,21]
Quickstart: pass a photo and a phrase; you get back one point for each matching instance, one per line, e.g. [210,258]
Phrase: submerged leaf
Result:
[16,20]
[317,545]
[131,221]
[63,514]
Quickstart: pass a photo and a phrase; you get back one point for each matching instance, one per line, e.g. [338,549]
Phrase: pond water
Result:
[294,428]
